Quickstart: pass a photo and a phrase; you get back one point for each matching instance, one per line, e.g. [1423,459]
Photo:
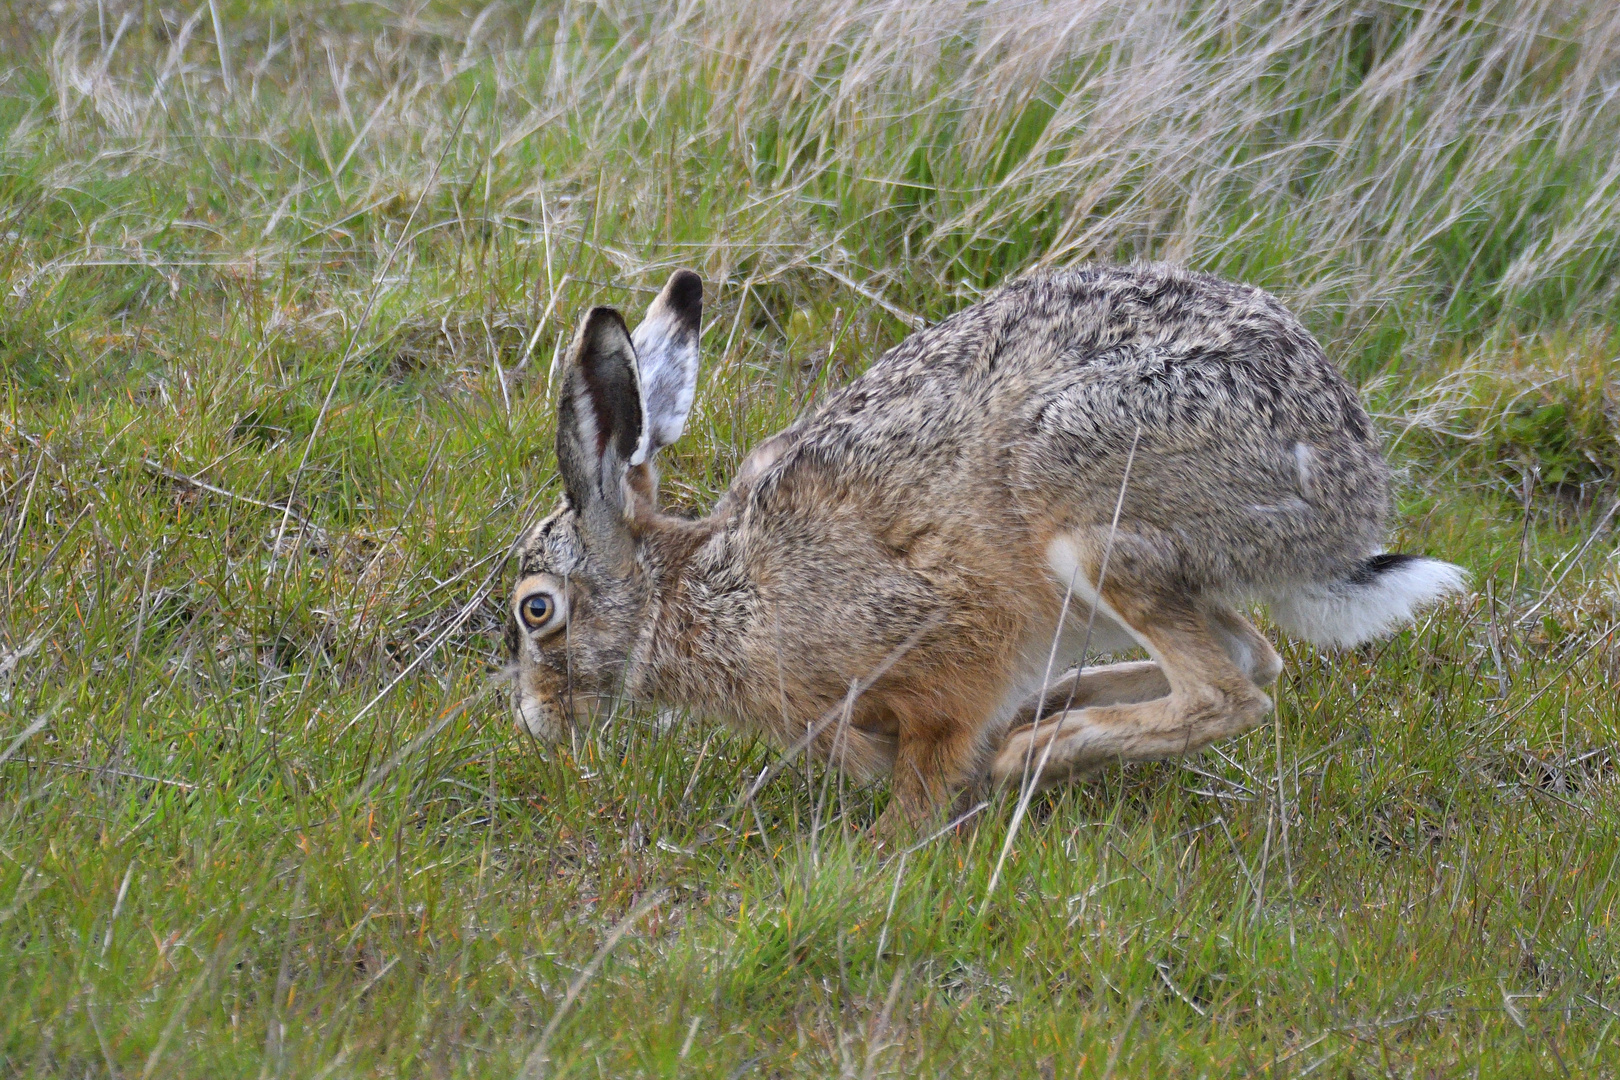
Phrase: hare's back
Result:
[1245,445]
[1234,439]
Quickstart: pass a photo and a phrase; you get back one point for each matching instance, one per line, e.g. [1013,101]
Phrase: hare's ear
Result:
[667,355]
[601,425]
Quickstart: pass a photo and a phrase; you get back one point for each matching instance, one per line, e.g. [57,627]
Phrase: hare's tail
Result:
[1383,593]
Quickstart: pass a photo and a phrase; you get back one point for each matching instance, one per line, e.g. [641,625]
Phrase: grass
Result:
[283,286]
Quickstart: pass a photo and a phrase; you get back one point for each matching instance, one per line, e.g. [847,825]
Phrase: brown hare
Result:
[1085,461]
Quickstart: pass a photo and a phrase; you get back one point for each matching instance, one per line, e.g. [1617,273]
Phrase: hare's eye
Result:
[540,604]
[537,609]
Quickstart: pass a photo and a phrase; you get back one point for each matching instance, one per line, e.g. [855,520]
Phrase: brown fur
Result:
[884,579]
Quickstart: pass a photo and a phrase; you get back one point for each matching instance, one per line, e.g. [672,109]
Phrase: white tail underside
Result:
[1373,603]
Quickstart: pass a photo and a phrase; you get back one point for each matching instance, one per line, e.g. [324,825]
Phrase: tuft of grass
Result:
[283,292]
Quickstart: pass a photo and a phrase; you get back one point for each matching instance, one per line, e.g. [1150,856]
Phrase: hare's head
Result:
[581,590]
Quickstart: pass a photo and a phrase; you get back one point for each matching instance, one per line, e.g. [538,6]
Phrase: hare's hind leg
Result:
[1209,659]
[1142,680]
[1108,684]
[1244,644]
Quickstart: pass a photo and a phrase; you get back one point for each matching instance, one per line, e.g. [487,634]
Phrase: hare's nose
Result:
[537,717]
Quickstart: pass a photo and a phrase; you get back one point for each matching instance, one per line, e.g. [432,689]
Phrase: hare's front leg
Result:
[1209,660]
[937,759]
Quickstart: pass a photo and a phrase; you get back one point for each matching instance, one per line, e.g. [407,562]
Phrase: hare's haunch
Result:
[1086,461]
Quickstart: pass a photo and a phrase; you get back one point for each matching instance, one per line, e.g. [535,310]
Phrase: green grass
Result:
[274,348]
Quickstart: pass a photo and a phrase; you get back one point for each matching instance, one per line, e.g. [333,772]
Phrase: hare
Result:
[1084,462]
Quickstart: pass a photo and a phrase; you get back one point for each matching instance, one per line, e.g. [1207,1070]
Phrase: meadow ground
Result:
[283,288]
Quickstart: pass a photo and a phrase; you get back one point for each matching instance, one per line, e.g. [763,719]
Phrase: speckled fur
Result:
[900,538]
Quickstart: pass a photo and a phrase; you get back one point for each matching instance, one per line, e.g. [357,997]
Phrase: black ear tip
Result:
[599,317]
[599,321]
[684,294]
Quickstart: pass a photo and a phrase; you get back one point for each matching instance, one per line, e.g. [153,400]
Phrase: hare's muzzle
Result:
[537,716]
[551,718]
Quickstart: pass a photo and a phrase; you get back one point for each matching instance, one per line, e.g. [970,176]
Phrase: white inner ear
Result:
[667,359]
[589,424]
[644,447]
[586,422]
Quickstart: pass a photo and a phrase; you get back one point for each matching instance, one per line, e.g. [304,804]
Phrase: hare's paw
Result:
[1083,740]
[1062,747]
